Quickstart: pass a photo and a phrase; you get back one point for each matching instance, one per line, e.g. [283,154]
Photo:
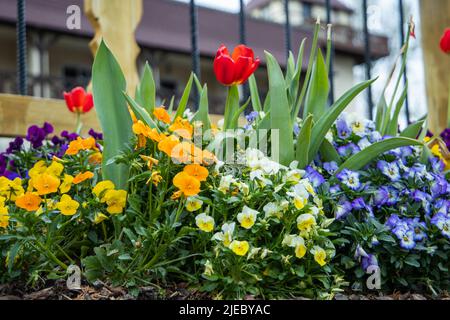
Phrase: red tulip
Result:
[237,68]
[445,41]
[79,101]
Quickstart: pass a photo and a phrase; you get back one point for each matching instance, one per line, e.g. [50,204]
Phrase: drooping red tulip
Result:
[237,68]
[78,100]
[445,41]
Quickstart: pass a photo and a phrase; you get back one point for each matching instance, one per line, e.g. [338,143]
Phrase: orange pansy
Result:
[198,172]
[29,201]
[167,144]
[162,115]
[182,127]
[74,147]
[187,184]
[79,178]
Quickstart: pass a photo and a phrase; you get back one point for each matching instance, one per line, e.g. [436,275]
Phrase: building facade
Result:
[59,58]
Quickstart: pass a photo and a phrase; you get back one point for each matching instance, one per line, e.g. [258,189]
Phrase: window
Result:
[74,76]
[307,11]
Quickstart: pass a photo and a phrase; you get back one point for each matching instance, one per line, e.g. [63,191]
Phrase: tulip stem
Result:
[79,124]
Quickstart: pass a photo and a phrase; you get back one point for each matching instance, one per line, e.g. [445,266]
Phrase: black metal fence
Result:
[21,44]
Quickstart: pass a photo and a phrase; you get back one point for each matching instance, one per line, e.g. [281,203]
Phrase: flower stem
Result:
[79,124]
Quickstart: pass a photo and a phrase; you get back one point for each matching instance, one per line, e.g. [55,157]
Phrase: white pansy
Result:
[225,183]
[226,235]
[271,209]
[265,253]
[292,241]
[253,158]
[247,217]
[269,167]
[253,252]
[284,205]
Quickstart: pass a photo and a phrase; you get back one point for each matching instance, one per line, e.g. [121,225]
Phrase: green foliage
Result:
[111,107]
[362,158]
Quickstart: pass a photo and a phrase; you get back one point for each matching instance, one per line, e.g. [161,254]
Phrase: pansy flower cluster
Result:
[39,143]
[267,226]
[404,199]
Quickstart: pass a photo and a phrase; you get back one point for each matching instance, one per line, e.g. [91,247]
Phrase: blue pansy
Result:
[349,178]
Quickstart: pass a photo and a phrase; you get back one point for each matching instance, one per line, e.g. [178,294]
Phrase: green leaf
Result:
[266,107]
[280,116]
[254,94]
[295,84]
[237,114]
[392,127]
[290,70]
[426,155]
[318,89]
[140,112]
[264,124]
[329,153]
[12,255]
[413,130]
[203,111]
[231,106]
[296,110]
[108,84]
[172,102]
[185,97]
[324,124]
[381,113]
[148,89]
[303,141]
[372,152]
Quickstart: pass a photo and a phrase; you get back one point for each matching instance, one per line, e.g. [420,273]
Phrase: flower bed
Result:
[286,206]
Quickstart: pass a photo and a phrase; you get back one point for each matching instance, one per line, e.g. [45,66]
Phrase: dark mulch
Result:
[101,291]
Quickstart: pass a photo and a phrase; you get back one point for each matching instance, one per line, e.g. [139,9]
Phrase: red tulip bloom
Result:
[237,68]
[79,101]
[445,41]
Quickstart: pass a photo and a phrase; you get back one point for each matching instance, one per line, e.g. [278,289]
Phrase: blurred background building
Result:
[59,58]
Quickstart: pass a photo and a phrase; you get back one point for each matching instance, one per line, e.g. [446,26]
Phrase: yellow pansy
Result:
[55,169]
[240,248]
[67,205]
[305,222]
[247,217]
[13,189]
[116,201]
[319,255]
[300,202]
[46,184]
[38,169]
[66,184]
[300,250]
[4,217]
[193,204]
[101,187]
[204,222]
[99,217]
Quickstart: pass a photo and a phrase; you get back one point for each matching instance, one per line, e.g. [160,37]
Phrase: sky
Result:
[381,23]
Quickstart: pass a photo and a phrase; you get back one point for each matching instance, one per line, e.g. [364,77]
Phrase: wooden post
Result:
[435,18]
[115,21]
